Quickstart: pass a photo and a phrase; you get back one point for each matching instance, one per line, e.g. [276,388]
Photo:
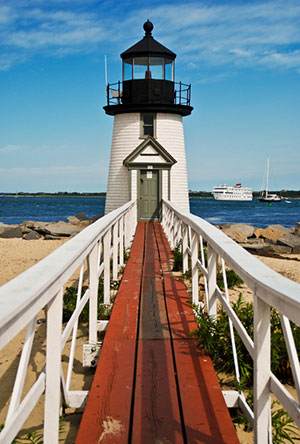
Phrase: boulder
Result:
[245,228]
[34,225]
[297,229]
[237,236]
[292,241]
[267,249]
[81,216]
[32,235]
[11,232]
[269,233]
[61,229]
[287,230]
[74,220]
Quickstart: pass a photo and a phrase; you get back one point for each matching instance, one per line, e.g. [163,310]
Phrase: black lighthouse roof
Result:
[148,46]
[148,81]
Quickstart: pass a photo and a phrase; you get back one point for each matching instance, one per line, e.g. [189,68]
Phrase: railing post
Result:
[115,252]
[185,256]
[262,359]
[195,271]
[53,365]
[93,286]
[127,230]
[212,261]
[106,262]
[121,240]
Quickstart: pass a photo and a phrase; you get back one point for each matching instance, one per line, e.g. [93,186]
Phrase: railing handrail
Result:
[270,291]
[24,291]
[255,274]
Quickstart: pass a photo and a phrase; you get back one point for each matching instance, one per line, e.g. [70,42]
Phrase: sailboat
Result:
[265,195]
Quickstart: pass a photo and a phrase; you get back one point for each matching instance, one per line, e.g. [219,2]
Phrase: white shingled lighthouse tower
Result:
[147,160]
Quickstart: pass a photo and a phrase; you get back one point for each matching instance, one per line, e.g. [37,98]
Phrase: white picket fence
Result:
[99,248]
[270,290]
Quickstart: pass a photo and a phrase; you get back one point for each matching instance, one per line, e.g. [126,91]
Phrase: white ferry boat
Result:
[237,192]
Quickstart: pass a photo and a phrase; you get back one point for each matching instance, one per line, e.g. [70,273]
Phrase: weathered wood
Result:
[153,317]
[170,374]
[156,411]
[106,419]
[206,416]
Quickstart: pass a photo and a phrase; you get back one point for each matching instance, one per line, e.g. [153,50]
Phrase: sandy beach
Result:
[16,256]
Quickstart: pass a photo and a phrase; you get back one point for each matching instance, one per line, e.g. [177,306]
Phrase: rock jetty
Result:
[31,230]
[275,239]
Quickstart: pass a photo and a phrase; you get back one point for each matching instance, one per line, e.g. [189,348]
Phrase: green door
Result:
[148,195]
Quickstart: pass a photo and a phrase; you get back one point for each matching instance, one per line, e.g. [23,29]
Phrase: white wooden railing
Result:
[99,248]
[270,290]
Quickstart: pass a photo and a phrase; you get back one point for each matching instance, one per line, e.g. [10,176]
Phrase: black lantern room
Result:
[148,81]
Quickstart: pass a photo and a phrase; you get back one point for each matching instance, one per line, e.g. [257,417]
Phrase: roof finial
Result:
[148,27]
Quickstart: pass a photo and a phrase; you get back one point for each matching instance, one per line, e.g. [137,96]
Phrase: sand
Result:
[17,255]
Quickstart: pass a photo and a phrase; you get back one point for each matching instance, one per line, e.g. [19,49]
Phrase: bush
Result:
[69,304]
[213,337]
[177,255]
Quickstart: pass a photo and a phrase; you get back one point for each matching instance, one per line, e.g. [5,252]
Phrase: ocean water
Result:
[15,210]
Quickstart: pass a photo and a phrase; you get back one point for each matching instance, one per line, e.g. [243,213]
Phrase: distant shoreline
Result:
[287,194]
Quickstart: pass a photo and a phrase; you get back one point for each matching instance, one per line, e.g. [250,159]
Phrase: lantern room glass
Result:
[159,68]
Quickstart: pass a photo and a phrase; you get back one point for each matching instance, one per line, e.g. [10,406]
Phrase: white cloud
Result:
[10,148]
[265,33]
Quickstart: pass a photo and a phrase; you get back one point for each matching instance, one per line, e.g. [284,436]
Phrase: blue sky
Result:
[241,57]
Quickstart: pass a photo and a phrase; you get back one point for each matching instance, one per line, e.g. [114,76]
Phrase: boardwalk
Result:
[151,385]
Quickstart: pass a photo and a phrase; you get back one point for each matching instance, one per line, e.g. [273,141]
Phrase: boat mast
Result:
[267,176]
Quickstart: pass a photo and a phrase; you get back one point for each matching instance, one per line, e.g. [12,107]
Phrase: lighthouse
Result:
[147,160]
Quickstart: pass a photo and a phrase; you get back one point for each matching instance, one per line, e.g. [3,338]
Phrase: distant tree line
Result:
[204,194]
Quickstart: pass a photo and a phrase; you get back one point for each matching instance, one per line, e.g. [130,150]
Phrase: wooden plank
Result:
[180,313]
[106,418]
[156,412]
[153,317]
[206,416]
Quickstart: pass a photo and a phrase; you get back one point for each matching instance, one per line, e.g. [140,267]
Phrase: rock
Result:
[297,229]
[237,236]
[50,237]
[287,230]
[291,241]
[245,228]
[267,249]
[269,233]
[34,225]
[61,229]
[11,232]
[94,218]
[81,216]
[32,235]
[74,220]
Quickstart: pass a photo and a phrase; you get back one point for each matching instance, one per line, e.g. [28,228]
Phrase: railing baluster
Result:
[93,285]
[53,366]
[195,271]
[74,334]
[121,235]
[262,372]
[22,368]
[106,261]
[212,261]
[115,252]
[185,256]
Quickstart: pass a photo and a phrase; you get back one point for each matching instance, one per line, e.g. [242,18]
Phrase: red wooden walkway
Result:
[151,385]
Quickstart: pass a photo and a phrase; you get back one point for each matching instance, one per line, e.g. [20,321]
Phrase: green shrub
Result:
[69,304]
[213,337]
[232,279]
[177,256]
